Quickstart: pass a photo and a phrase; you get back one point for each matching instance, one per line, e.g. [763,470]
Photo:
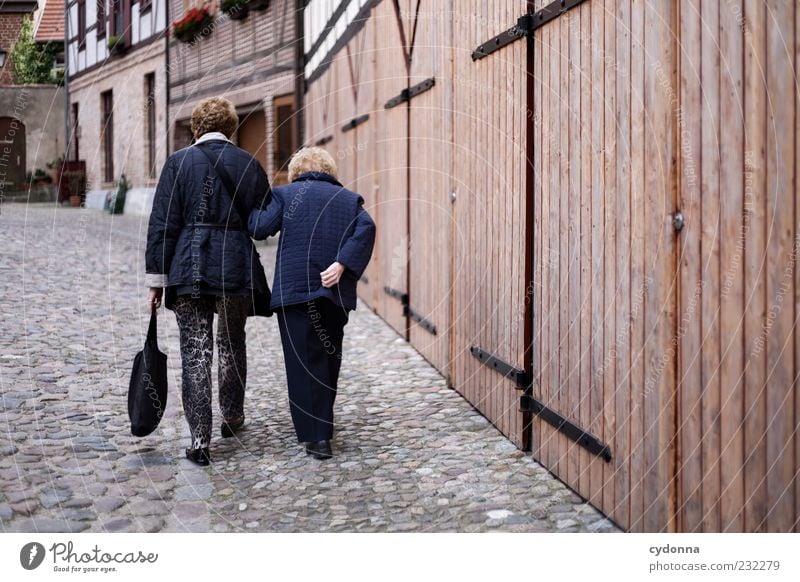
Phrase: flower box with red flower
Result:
[196,22]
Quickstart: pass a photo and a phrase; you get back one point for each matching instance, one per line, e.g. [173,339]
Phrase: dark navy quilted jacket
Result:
[321,222]
[196,236]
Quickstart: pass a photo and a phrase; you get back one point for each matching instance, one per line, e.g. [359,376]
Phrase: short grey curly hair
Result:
[312,159]
[214,114]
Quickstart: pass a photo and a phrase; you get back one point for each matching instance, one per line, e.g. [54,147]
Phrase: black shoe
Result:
[229,427]
[199,456]
[319,450]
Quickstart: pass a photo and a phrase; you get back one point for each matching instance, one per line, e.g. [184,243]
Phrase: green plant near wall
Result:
[117,205]
[33,62]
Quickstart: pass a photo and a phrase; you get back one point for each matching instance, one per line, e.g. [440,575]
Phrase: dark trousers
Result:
[195,321]
[312,334]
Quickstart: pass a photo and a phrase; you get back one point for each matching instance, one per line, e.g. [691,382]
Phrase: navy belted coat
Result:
[197,237]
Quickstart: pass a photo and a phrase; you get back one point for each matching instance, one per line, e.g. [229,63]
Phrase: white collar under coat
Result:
[211,135]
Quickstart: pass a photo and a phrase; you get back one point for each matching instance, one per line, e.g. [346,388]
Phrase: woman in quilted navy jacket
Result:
[199,251]
[325,245]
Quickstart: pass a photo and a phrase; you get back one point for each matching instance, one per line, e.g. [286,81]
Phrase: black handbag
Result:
[260,299]
[147,391]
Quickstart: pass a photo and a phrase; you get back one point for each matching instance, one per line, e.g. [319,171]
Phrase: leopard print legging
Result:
[195,319]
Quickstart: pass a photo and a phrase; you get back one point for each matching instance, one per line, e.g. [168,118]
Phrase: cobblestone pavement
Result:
[412,455]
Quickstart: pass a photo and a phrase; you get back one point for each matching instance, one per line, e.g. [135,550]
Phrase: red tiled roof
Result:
[51,23]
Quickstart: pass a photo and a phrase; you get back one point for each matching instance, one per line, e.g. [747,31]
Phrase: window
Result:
[145,5]
[150,125]
[285,137]
[75,133]
[107,134]
[101,18]
[117,20]
[81,24]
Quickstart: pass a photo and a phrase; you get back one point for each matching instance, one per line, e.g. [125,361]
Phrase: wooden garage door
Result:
[391,166]
[430,186]
[605,253]
[489,242]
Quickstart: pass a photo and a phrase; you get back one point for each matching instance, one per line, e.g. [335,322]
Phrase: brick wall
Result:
[10,25]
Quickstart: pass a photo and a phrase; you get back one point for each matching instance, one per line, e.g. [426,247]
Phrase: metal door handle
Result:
[678,221]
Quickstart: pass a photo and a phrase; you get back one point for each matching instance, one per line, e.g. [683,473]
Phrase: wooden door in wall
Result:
[391,164]
[252,135]
[490,183]
[605,255]
[430,181]
[284,136]
[360,146]
[12,139]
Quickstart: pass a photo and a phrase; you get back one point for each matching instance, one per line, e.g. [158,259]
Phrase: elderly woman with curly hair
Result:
[200,257]
[325,245]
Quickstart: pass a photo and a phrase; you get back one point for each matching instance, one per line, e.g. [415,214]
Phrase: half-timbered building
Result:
[116,69]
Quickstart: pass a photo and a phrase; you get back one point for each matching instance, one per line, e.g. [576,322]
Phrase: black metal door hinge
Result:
[521,29]
[353,123]
[520,377]
[410,93]
[525,27]
[399,295]
[322,141]
[572,431]
[423,323]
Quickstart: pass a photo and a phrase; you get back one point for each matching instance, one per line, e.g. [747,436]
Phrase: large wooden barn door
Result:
[489,283]
[361,65]
[605,254]
[430,106]
[391,163]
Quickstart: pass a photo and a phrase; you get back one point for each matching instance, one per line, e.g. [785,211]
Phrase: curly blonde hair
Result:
[214,114]
[312,159]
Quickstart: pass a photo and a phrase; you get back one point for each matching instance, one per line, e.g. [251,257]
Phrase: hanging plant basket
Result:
[116,45]
[235,9]
[196,23]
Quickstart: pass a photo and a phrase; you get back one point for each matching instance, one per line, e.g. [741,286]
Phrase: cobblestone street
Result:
[411,454]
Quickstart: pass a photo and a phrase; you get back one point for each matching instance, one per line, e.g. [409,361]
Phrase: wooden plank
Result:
[562,33]
[488,382]
[597,426]
[689,380]
[539,272]
[586,240]
[609,265]
[621,343]
[732,282]
[516,219]
[574,292]
[797,275]
[639,275]
[491,287]
[710,73]
[546,312]
[755,98]
[659,259]
[554,256]
[781,263]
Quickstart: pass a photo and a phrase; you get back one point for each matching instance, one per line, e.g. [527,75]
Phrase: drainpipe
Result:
[168,133]
[300,70]
[67,124]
